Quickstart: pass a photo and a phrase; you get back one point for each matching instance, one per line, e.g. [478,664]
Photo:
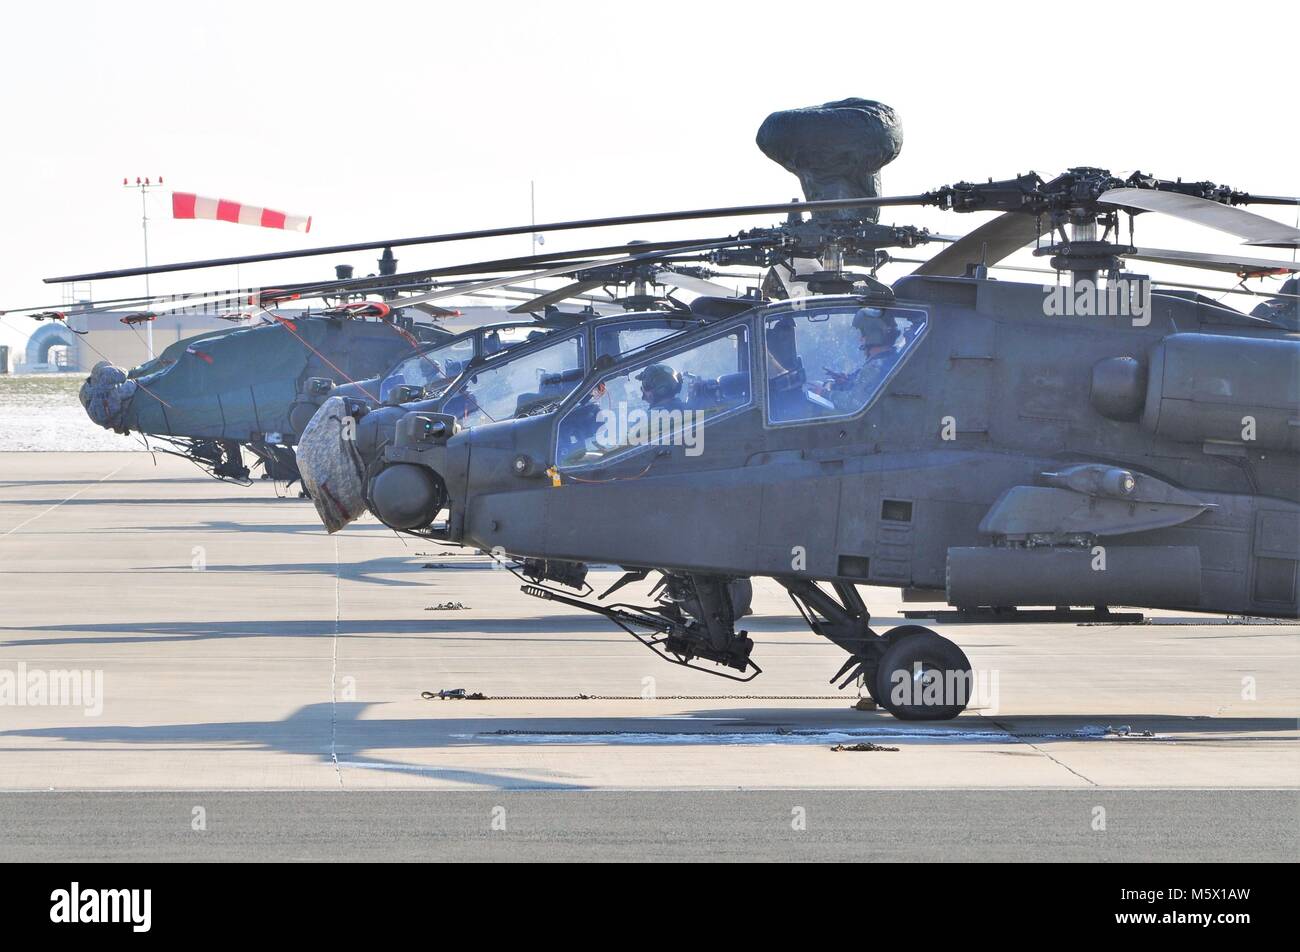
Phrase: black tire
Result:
[869,677]
[938,691]
[876,652]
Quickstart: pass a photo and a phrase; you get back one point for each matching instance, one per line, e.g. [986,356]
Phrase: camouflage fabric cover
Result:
[332,470]
[837,149]
[106,395]
[229,385]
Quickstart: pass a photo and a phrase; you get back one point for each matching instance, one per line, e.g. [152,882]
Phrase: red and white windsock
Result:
[189,205]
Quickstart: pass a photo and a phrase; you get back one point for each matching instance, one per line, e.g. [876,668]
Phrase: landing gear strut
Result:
[278,462]
[910,671]
[221,458]
[694,616]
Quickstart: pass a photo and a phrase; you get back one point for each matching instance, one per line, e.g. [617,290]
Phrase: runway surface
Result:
[240,648]
[878,826]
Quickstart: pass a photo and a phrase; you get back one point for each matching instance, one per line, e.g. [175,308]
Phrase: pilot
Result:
[432,370]
[660,386]
[877,334]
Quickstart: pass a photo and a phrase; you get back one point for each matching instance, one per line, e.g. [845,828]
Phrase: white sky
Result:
[384,119]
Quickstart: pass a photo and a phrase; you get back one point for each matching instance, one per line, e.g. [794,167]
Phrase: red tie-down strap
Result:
[360,309]
[270,297]
[410,339]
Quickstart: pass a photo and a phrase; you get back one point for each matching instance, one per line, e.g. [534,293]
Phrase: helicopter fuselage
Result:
[1011,456]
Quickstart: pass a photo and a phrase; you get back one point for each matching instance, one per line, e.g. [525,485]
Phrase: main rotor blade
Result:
[375,282]
[527,294]
[72,309]
[1231,264]
[732,211]
[569,269]
[371,284]
[1251,228]
[433,310]
[991,242]
[242,297]
[555,297]
[691,283]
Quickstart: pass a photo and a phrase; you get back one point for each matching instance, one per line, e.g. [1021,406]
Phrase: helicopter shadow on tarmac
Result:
[305,732]
[548,630]
[429,626]
[226,501]
[372,571]
[263,528]
[226,525]
[170,481]
[309,729]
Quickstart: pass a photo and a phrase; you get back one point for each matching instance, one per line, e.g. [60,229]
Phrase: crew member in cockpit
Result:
[660,386]
[877,334]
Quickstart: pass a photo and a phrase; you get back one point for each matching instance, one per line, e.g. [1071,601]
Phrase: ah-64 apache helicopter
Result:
[994,453]
[214,395]
[947,434]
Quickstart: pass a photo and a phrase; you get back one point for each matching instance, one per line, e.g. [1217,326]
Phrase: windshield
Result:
[619,340]
[499,338]
[430,369]
[659,401]
[832,362]
[516,385]
[435,369]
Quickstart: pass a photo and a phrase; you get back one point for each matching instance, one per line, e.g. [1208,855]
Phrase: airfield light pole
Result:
[143,186]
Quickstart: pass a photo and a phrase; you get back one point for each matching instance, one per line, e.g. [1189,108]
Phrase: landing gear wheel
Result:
[922,676]
[869,681]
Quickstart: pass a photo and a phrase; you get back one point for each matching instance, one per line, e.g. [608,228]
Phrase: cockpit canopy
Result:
[831,362]
[435,368]
[543,376]
[810,363]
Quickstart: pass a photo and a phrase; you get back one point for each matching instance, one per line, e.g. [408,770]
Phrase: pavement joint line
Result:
[1045,753]
[334,664]
[62,501]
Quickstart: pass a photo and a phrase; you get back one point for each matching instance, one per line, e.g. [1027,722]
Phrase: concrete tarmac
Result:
[242,649]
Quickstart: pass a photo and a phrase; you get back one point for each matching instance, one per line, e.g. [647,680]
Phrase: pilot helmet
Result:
[661,381]
[876,328]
